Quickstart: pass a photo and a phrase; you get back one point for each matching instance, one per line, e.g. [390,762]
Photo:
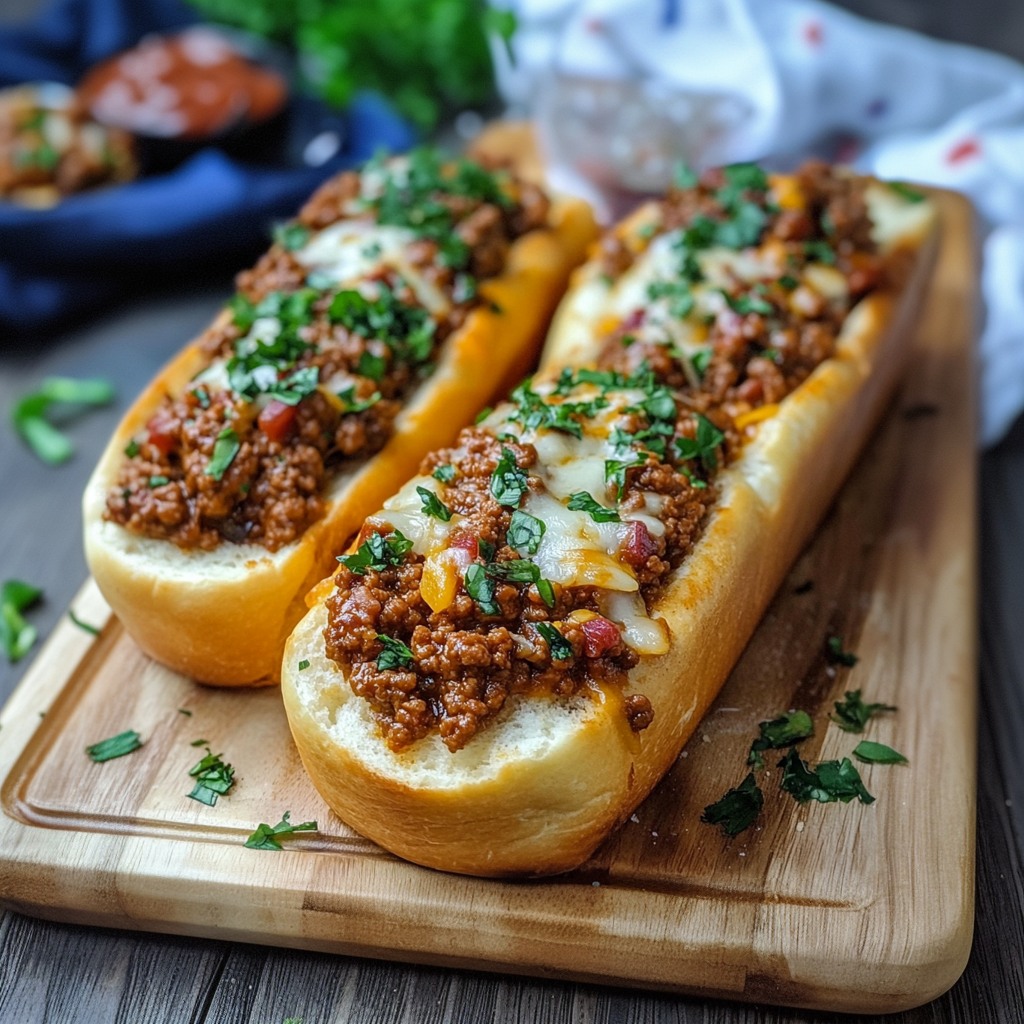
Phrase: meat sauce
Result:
[446,611]
[317,352]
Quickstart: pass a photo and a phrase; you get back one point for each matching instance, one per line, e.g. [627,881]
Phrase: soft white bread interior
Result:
[547,780]
[222,616]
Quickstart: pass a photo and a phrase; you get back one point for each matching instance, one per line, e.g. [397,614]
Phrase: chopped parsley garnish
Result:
[291,236]
[877,753]
[615,471]
[132,448]
[377,552]
[828,782]
[85,627]
[16,634]
[394,655]
[411,197]
[407,330]
[267,837]
[852,714]
[213,778]
[837,655]
[445,474]
[904,191]
[351,404]
[738,809]
[534,412]
[581,501]
[433,506]
[784,731]
[700,360]
[295,387]
[820,252]
[749,302]
[508,481]
[116,746]
[525,532]
[684,176]
[517,570]
[371,366]
[158,481]
[29,414]
[703,447]
[788,282]
[561,649]
[680,298]
[225,448]
[304,664]
[481,588]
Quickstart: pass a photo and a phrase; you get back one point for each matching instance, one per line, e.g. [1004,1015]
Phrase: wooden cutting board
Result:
[853,907]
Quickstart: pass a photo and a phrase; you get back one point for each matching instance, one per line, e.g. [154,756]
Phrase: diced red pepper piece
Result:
[639,545]
[276,420]
[599,636]
[468,543]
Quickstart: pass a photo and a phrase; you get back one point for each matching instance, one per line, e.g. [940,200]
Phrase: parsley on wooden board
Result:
[852,713]
[837,654]
[213,778]
[268,837]
[827,782]
[877,753]
[114,746]
[738,809]
[784,731]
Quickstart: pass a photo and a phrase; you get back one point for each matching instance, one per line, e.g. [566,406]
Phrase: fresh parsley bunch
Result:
[425,55]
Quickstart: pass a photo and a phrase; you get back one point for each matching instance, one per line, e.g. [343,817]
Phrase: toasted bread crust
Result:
[547,781]
[222,617]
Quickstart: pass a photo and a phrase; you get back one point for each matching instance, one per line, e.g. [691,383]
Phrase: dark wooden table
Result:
[70,973]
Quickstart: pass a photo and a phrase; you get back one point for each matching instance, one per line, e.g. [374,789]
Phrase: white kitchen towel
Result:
[623,89]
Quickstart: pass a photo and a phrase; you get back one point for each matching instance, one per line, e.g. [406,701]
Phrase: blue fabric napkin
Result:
[213,208]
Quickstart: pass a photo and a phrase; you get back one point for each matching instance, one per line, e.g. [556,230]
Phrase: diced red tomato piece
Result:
[468,543]
[599,636]
[161,432]
[276,420]
[635,319]
[639,545]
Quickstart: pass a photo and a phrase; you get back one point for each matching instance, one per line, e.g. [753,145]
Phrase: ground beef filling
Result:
[464,664]
[272,491]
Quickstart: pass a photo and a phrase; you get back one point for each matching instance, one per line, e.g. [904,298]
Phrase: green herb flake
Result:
[116,746]
[738,809]
[852,713]
[829,782]
[508,481]
[877,753]
[378,552]
[784,731]
[213,778]
[371,366]
[304,664]
[158,481]
[132,448]
[433,506]
[444,474]
[267,837]
[29,414]
[395,654]
[835,653]
[84,626]
[225,448]
[525,532]
[581,501]
[481,588]
[291,236]
[905,191]
[703,446]
[16,634]
[561,649]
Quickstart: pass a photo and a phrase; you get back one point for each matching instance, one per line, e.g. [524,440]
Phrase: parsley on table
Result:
[561,649]
[394,654]
[268,837]
[738,809]
[85,627]
[784,731]
[852,713]
[877,753]
[377,552]
[835,652]
[29,416]
[115,746]
[828,782]
[213,778]
[16,634]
